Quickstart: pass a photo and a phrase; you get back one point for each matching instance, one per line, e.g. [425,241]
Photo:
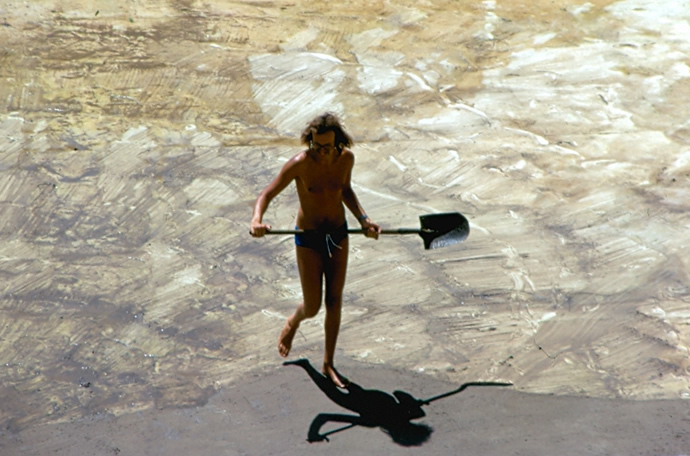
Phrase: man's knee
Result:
[310,310]
[333,302]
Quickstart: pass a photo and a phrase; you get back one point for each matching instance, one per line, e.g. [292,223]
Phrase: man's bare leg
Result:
[286,336]
[335,282]
[310,265]
[332,329]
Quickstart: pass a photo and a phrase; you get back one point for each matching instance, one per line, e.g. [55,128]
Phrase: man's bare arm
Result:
[352,203]
[286,175]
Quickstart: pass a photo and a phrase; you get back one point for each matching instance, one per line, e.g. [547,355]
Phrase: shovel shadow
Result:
[392,413]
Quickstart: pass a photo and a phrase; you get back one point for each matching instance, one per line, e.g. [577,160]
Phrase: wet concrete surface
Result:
[134,139]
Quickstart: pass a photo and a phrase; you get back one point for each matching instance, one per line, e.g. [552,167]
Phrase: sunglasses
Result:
[321,147]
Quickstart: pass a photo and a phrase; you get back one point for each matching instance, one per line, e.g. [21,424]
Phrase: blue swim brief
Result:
[321,241]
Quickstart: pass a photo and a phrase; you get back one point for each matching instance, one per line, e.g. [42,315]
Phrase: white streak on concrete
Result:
[375,193]
[399,165]
[543,38]
[423,85]
[292,87]
[539,139]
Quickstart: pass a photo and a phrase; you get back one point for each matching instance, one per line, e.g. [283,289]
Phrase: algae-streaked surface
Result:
[133,140]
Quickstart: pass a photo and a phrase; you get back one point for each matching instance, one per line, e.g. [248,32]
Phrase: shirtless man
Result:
[322,177]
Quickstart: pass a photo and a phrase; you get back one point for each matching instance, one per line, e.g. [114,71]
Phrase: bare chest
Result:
[323,182]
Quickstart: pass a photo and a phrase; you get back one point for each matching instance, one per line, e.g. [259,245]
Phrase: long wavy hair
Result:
[322,124]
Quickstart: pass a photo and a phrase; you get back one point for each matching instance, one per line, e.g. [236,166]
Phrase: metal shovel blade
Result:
[441,230]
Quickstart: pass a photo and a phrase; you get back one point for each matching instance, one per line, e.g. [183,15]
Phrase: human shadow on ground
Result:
[392,413]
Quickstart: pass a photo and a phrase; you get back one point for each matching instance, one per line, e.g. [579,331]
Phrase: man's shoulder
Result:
[298,159]
[294,166]
[348,155]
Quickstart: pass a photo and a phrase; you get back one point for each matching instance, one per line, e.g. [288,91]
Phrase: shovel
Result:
[438,230]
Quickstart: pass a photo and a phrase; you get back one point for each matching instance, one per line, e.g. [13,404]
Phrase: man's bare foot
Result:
[338,380]
[285,339]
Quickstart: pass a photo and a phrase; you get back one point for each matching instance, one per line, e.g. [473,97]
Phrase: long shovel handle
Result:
[355,231]
[438,230]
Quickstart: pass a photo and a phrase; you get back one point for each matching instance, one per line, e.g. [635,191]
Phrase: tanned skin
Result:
[322,176]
